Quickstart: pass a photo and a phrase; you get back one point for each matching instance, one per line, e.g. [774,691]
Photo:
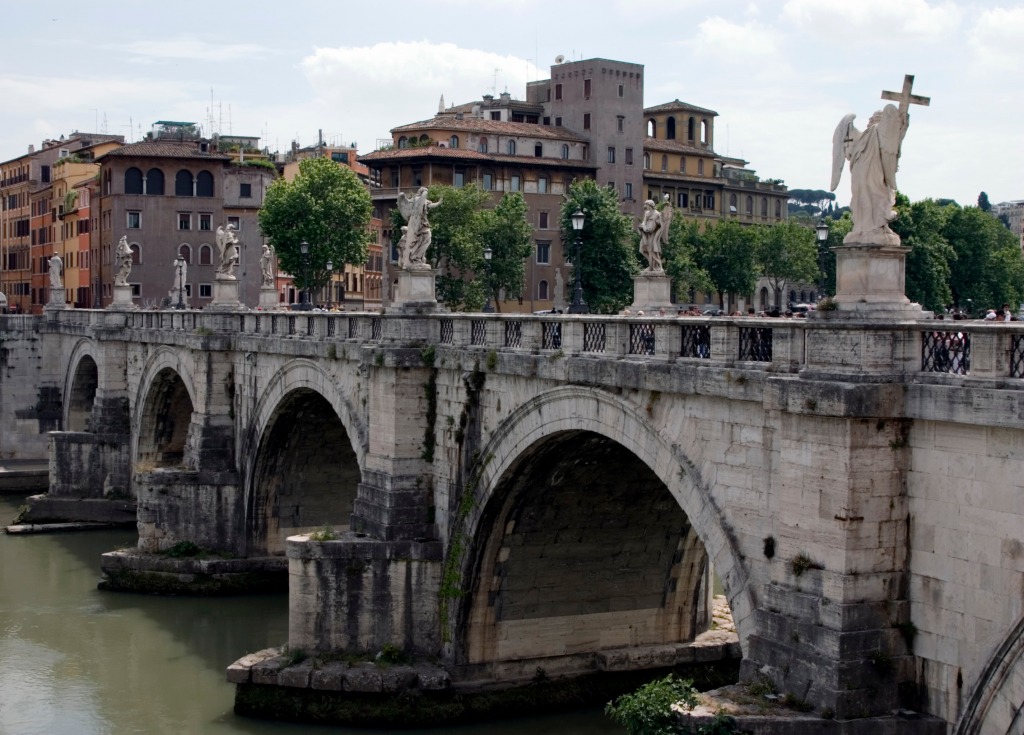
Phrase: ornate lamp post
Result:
[488,254]
[821,229]
[304,303]
[330,281]
[179,265]
[578,306]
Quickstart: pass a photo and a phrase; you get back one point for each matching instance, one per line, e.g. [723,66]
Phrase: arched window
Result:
[670,128]
[155,182]
[107,182]
[205,255]
[542,184]
[204,184]
[765,306]
[542,290]
[133,181]
[453,142]
[803,297]
[136,253]
[690,129]
[647,160]
[183,184]
[403,142]
[511,147]
[652,129]
[483,145]
[682,164]
[778,209]
[565,151]
[792,296]
[764,207]
[664,163]
[185,251]
[750,205]
[704,131]
[700,166]
[732,203]
[538,149]
[424,138]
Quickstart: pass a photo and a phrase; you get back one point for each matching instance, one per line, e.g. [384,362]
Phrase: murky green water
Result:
[77,661]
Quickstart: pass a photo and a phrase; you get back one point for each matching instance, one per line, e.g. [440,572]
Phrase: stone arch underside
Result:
[164,422]
[646,481]
[995,705]
[305,474]
[81,393]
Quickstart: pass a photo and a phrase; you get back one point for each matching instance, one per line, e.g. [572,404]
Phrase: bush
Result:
[648,710]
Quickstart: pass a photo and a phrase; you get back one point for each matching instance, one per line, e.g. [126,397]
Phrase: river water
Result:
[77,661]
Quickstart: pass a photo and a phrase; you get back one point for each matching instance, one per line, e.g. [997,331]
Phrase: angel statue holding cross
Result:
[873,155]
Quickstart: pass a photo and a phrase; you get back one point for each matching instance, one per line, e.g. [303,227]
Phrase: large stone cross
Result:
[905,98]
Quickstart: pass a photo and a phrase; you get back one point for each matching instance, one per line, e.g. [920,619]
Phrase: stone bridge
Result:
[503,492]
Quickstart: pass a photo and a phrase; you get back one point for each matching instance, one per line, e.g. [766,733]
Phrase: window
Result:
[764,207]
[778,209]
[558,122]
[704,131]
[136,253]
[45,174]
[670,128]
[515,182]
[683,200]
[155,182]
[511,147]
[245,191]
[647,160]
[483,145]
[403,142]
[689,130]
[204,184]
[700,166]
[558,93]
[611,154]
[732,203]
[682,164]
[488,181]
[184,220]
[538,149]
[136,290]
[417,177]
[339,157]
[750,205]
[629,156]
[628,193]
[652,129]
[496,115]
[622,91]
[134,220]
[542,290]
[183,184]
[205,290]
[542,220]
[542,185]
[453,142]
[205,222]
[664,163]
[205,255]
[459,178]
[586,121]
[543,253]
[394,176]
[586,89]
[565,151]
[236,223]
[133,181]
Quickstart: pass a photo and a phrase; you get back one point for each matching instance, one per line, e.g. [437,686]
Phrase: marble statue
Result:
[874,157]
[180,279]
[267,267]
[123,259]
[227,249]
[412,248]
[651,228]
[56,267]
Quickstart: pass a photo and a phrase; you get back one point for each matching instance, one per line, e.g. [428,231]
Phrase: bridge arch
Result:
[163,412]
[598,422]
[80,384]
[996,702]
[305,451]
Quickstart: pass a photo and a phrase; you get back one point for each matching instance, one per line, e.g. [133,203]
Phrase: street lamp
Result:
[578,306]
[304,303]
[179,265]
[821,229]
[330,281]
[488,254]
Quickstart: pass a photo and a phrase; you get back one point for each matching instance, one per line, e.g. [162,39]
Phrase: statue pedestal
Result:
[871,283]
[56,302]
[415,290]
[652,291]
[268,298]
[225,295]
[122,298]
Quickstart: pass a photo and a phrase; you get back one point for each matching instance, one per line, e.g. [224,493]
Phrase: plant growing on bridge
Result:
[648,710]
[327,206]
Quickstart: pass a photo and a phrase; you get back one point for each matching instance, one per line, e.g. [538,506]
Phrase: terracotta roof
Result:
[463,154]
[674,146]
[677,105]
[164,149]
[479,125]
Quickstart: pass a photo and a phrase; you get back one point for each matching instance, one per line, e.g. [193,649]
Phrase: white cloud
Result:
[725,40]
[996,38]
[874,21]
[190,48]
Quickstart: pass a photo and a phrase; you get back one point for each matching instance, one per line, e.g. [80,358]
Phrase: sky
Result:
[780,74]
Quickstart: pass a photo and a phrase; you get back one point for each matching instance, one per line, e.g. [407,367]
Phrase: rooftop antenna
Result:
[104,129]
[494,85]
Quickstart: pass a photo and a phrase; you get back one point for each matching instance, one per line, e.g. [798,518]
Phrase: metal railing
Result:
[695,341]
[642,339]
[946,352]
[756,344]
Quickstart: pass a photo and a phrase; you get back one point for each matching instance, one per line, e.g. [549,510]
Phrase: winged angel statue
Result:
[416,235]
[873,155]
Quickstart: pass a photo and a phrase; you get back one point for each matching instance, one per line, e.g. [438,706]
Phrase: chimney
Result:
[506,98]
[31,148]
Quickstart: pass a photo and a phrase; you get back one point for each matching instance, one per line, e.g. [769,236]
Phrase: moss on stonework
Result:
[195,585]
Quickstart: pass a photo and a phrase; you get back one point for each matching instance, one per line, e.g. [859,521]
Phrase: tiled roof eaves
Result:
[672,146]
[436,152]
[678,105]
[497,127]
[163,150]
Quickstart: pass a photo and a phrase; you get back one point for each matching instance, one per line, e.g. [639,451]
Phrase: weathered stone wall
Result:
[29,406]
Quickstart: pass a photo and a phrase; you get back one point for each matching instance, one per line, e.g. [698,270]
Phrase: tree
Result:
[988,270]
[326,206]
[506,231]
[786,252]
[728,256]
[609,246]
[838,228]
[456,247]
[983,203]
[920,227]
[679,256]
